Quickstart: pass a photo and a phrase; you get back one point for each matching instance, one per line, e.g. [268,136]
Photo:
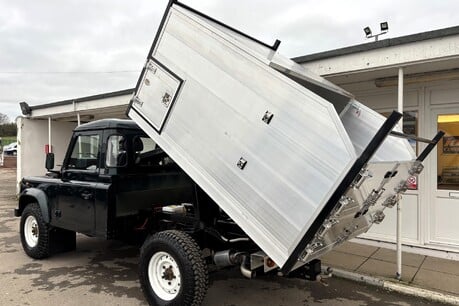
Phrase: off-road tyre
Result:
[37,229]
[182,251]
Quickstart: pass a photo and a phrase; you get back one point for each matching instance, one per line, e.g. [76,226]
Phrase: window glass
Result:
[147,145]
[448,153]
[147,153]
[85,153]
[116,151]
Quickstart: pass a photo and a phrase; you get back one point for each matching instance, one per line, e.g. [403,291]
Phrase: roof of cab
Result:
[108,124]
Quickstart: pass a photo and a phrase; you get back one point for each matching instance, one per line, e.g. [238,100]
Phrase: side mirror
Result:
[49,161]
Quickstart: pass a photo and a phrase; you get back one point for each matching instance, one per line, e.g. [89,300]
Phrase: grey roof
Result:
[87,98]
[378,44]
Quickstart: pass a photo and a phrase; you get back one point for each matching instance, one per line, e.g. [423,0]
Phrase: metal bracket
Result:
[402,187]
[416,168]
[311,248]
[343,202]
[361,177]
[151,66]
[370,201]
[391,201]
[166,99]
[241,163]
[267,117]
[137,101]
[378,216]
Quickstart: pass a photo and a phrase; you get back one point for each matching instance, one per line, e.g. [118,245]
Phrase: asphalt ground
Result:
[103,272]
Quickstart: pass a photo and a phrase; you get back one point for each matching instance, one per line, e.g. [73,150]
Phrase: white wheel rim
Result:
[164,276]
[31,231]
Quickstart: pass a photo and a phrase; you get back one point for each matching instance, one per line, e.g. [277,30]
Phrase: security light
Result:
[384,29]
[25,108]
[367,31]
[384,26]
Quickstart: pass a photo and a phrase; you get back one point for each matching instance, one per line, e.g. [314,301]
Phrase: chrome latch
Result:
[416,168]
[267,117]
[391,201]
[311,248]
[241,163]
[137,101]
[378,216]
[166,99]
[151,66]
[401,188]
[361,177]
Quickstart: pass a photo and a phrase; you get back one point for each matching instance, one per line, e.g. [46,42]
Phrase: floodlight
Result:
[367,31]
[384,26]
[25,108]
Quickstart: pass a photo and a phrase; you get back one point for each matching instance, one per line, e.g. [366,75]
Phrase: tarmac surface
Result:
[103,272]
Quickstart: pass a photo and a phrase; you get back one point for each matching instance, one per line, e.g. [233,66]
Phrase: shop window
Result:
[448,153]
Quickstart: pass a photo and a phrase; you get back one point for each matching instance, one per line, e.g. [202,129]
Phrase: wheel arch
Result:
[34,195]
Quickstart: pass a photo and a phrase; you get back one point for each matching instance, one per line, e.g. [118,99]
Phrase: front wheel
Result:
[172,270]
[34,232]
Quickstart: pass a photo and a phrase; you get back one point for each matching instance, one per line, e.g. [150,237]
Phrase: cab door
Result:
[75,209]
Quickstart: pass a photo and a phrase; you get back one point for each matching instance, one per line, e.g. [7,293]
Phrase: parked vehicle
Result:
[236,156]
[11,149]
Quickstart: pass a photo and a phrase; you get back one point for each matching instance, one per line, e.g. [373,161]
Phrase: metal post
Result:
[399,210]
[79,138]
[49,136]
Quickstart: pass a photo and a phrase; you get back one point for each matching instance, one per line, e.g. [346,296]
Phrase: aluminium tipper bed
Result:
[286,154]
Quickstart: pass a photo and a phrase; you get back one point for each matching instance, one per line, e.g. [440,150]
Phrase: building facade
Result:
[429,67]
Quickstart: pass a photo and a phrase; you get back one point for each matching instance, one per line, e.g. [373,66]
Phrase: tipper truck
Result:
[235,155]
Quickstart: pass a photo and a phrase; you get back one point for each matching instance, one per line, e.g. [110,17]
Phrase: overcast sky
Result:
[56,50]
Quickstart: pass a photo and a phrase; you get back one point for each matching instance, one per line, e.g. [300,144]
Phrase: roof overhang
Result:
[418,54]
[108,105]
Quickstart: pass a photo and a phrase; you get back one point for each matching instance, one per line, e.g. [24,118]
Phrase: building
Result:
[428,65]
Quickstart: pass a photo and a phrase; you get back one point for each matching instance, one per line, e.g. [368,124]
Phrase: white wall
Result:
[32,138]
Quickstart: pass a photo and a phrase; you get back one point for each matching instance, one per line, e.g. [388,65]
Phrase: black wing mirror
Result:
[49,161]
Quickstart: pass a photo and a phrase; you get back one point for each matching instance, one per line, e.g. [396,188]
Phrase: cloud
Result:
[114,35]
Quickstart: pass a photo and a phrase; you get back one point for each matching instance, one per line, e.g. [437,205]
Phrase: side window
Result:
[147,153]
[116,151]
[85,153]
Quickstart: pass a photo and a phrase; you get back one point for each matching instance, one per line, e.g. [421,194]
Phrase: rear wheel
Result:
[172,270]
[34,232]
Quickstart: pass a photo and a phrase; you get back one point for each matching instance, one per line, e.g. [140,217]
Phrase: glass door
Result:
[444,207]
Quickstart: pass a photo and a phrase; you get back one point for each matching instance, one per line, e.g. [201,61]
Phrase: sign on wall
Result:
[450,144]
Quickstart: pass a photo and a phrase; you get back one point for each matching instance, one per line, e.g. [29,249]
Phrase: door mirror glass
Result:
[49,164]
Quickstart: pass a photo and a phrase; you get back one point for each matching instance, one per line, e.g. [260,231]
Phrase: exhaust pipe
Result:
[245,268]
[230,258]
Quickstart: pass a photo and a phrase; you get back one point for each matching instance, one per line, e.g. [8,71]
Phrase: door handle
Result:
[86,195]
